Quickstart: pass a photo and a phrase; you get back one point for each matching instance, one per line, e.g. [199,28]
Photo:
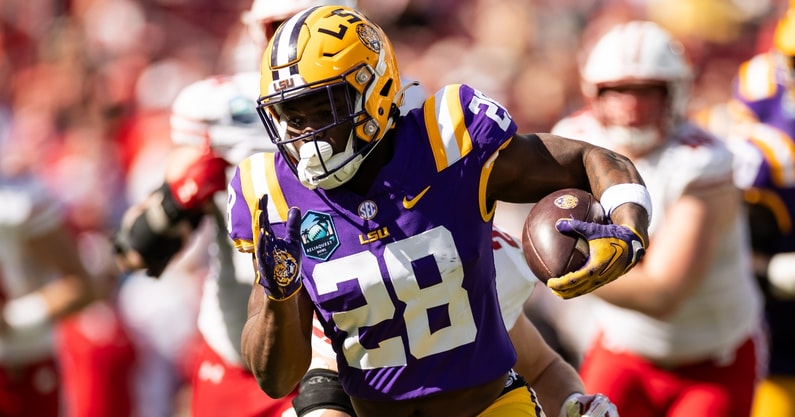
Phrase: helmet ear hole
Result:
[386,89]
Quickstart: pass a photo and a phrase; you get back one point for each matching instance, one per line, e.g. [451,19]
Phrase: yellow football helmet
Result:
[784,36]
[324,48]
[266,15]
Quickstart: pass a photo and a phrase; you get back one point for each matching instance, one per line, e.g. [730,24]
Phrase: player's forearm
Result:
[153,232]
[74,288]
[622,191]
[68,294]
[634,216]
[555,384]
[606,168]
[275,343]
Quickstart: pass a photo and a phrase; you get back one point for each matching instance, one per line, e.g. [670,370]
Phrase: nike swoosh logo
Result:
[617,252]
[410,203]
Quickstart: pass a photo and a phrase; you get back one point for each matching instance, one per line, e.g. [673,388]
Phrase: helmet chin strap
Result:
[401,94]
[313,168]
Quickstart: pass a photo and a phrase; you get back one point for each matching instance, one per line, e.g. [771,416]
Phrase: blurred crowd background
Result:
[85,84]
[86,87]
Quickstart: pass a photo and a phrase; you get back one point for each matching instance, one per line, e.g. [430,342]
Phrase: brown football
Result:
[548,252]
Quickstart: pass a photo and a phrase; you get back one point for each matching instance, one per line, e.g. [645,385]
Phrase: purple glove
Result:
[612,251]
[278,259]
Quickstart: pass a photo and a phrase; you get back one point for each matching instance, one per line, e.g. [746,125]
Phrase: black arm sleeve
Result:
[321,389]
[152,233]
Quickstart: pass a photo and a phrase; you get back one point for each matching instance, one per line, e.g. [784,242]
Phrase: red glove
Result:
[201,180]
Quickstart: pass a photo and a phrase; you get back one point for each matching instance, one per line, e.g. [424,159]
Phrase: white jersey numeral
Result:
[362,269]
[480,99]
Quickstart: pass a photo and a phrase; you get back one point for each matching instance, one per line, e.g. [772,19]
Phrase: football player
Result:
[764,88]
[211,118]
[42,280]
[758,124]
[677,335]
[765,91]
[391,244]
[769,192]
[212,122]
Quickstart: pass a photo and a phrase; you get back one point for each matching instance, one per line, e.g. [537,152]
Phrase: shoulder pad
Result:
[711,159]
[444,117]
[455,111]
[254,177]
[779,152]
[756,79]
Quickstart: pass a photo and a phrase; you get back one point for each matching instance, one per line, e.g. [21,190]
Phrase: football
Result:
[548,252]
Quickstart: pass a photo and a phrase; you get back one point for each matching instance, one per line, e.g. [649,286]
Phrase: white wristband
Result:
[26,312]
[781,274]
[619,194]
[570,404]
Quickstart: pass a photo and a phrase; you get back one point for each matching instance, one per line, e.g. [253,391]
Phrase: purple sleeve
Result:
[239,214]
[487,121]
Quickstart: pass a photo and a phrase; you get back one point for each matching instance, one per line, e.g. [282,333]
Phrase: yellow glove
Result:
[612,251]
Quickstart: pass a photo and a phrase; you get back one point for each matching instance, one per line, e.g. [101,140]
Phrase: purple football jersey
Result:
[403,277]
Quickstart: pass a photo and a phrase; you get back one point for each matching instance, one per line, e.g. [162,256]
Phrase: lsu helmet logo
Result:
[288,83]
[369,37]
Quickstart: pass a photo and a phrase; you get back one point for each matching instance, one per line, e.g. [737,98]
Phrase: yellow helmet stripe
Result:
[779,151]
[284,52]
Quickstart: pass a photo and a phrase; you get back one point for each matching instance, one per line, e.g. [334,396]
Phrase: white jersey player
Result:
[213,123]
[693,301]
[42,279]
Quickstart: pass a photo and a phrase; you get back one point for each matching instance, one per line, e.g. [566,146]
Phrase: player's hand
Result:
[581,405]
[205,177]
[278,259]
[613,250]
